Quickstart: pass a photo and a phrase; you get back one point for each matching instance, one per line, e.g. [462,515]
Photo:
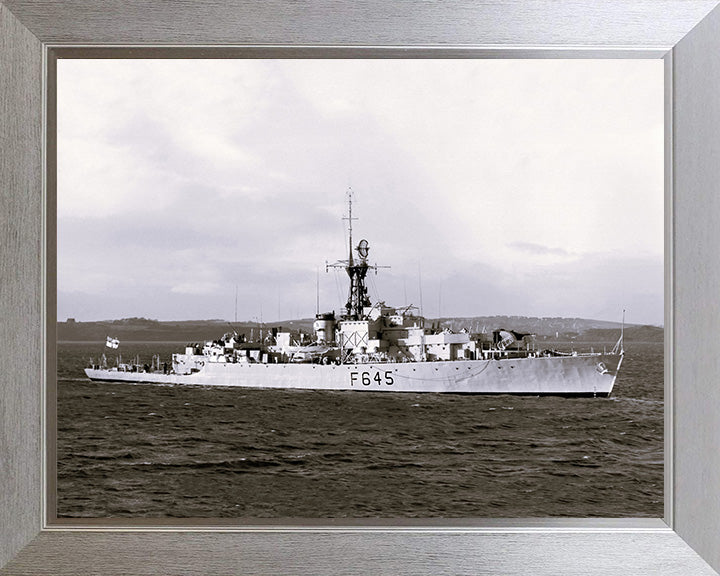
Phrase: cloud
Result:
[195,288]
[538,249]
[187,178]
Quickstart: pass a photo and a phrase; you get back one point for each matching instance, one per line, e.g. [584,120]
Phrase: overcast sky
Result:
[514,187]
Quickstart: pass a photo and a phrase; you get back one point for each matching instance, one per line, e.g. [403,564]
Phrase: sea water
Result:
[142,450]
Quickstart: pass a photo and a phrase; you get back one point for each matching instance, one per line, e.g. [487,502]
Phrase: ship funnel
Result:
[324,327]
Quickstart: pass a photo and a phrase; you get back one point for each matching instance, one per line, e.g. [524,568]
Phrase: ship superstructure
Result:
[382,348]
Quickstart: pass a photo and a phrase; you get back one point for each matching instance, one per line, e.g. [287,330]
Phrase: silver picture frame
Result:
[685,33]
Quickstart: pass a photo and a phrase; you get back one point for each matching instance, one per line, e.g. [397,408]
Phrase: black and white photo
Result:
[360,288]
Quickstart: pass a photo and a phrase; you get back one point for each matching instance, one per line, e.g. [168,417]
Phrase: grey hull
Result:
[585,375]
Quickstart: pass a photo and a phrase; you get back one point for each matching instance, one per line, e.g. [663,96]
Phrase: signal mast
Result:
[357,269]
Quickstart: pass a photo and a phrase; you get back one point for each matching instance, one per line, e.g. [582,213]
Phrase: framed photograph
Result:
[519,219]
[682,37]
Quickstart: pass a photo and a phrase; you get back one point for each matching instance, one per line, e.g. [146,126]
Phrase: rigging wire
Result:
[339,290]
[373,289]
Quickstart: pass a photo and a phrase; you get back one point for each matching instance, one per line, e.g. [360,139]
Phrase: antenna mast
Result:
[356,269]
[420,287]
[349,218]
[620,344]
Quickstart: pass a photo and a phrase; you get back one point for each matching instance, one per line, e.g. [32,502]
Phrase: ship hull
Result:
[581,375]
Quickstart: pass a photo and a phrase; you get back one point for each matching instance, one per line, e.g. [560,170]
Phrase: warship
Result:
[374,347]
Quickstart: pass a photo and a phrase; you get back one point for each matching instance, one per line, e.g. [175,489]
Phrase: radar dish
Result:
[363,249]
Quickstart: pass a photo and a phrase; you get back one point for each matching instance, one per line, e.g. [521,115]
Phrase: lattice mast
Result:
[356,269]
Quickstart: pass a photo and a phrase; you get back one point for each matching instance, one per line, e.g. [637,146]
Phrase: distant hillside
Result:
[546,329]
[632,334]
[562,329]
[146,330]
[539,326]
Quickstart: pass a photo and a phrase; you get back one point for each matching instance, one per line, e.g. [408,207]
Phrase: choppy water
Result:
[161,451]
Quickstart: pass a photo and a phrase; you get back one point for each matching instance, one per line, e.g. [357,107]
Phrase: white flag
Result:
[112,342]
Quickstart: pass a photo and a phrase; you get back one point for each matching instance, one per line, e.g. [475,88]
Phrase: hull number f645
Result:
[367,378]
